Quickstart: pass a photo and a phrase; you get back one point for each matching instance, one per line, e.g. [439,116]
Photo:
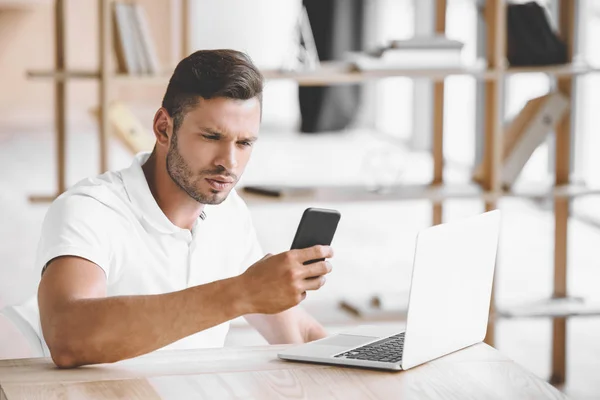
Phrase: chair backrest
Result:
[25,329]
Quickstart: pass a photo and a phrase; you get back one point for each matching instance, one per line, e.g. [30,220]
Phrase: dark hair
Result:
[209,74]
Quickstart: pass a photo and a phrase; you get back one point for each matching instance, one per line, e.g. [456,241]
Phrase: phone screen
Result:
[317,227]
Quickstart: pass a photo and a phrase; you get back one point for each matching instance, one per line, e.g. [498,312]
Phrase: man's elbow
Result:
[63,358]
[64,351]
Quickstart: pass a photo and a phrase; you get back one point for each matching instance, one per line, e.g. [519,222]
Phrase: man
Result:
[163,254]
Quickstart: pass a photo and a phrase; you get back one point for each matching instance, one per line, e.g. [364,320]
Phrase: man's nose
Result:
[227,157]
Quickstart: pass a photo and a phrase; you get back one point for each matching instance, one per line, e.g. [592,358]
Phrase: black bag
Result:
[530,39]
[337,28]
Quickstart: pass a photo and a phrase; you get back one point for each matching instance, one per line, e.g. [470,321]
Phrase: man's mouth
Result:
[220,183]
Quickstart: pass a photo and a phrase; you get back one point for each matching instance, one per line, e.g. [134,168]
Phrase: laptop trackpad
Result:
[345,340]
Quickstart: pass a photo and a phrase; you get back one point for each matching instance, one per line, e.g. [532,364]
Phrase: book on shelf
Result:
[302,54]
[278,190]
[134,47]
[138,46]
[415,53]
[433,42]
[123,39]
[525,133]
[127,128]
[149,50]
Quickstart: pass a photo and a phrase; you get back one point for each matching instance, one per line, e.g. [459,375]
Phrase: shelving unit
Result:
[337,73]
[105,77]
[22,5]
[437,192]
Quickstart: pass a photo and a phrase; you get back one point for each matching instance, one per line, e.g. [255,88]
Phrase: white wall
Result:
[264,30]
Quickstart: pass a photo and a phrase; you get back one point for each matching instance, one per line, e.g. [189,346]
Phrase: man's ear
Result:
[161,126]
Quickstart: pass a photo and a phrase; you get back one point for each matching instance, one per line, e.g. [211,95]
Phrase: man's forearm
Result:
[291,326]
[110,329]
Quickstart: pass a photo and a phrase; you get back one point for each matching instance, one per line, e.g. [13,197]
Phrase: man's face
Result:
[209,152]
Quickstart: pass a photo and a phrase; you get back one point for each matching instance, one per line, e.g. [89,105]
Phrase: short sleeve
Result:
[252,250]
[78,225]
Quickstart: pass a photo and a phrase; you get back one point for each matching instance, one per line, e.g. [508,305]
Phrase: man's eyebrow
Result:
[212,132]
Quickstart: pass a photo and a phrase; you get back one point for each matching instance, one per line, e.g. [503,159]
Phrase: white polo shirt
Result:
[114,221]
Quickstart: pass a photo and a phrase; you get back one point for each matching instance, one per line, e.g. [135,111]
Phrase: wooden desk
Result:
[479,372]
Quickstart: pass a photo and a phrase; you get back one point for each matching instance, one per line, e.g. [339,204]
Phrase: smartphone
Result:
[317,226]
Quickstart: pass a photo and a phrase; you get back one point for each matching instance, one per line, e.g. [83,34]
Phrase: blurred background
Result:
[366,104]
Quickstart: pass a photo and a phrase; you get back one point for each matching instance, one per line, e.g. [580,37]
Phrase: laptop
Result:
[448,308]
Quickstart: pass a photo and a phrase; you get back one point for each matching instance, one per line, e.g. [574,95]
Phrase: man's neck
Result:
[178,206]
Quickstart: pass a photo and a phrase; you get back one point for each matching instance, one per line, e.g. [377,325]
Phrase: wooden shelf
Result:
[556,308]
[336,74]
[549,192]
[90,74]
[555,70]
[63,75]
[434,193]
[344,73]
[358,193]
[22,4]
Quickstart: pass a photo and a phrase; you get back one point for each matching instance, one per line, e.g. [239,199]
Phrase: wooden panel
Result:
[495,15]
[357,193]
[438,119]
[22,5]
[117,389]
[345,383]
[513,132]
[561,206]
[438,133]
[160,363]
[105,35]
[60,94]
[342,74]
[476,372]
[185,28]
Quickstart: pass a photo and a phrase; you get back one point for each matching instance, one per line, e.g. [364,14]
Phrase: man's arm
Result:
[83,326]
[291,326]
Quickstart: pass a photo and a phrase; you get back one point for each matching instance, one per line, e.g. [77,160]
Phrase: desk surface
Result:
[478,372]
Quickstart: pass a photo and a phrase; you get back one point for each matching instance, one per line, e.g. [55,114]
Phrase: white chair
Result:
[30,336]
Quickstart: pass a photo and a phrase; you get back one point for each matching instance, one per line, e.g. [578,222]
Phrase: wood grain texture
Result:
[438,118]
[333,73]
[104,56]
[495,15]
[185,28]
[561,206]
[60,95]
[117,389]
[474,373]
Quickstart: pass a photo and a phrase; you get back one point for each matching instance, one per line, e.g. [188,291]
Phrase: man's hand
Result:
[83,326]
[279,282]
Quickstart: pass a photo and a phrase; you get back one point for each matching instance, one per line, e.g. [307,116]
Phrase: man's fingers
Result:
[314,253]
[314,283]
[317,269]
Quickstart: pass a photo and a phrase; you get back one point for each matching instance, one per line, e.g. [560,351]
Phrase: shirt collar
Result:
[142,199]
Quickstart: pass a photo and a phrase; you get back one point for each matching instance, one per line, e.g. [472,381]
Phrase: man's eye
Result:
[246,144]
[211,137]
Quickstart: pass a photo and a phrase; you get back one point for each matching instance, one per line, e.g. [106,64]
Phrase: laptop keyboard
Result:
[386,350]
